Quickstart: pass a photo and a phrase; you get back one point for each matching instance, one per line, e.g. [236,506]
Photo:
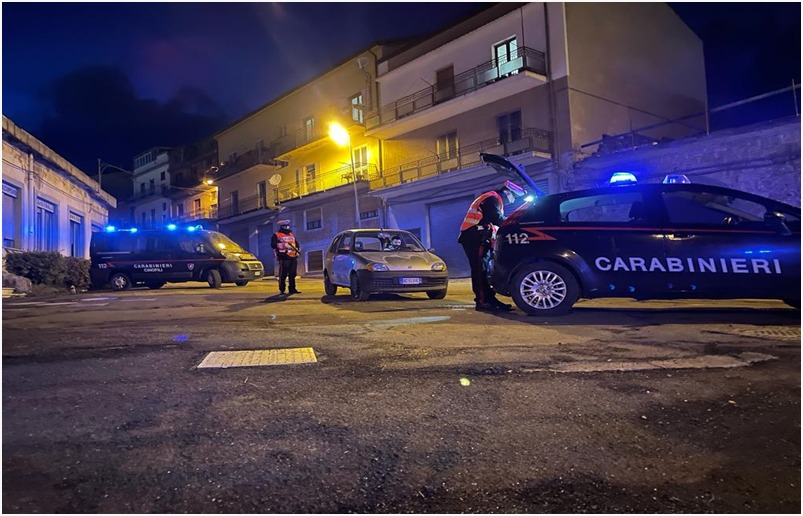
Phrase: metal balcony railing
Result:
[526,59]
[158,191]
[252,158]
[201,214]
[530,140]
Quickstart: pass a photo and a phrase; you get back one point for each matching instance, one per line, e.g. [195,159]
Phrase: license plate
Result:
[257,273]
[410,281]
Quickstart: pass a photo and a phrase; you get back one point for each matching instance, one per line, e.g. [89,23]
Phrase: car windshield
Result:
[387,242]
[223,243]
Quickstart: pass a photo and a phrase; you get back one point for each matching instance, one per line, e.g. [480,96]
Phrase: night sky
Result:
[109,80]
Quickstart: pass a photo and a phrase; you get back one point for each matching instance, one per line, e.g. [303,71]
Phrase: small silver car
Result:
[371,261]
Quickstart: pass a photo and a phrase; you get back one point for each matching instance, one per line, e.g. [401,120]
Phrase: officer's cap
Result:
[284,222]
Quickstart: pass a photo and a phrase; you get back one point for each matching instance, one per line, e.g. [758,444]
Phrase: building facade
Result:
[192,190]
[150,205]
[392,136]
[48,204]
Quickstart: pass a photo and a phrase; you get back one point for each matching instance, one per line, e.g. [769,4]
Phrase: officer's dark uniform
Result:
[287,249]
[476,238]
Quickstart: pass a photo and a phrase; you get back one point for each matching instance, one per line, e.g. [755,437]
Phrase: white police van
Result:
[124,258]
[670,240]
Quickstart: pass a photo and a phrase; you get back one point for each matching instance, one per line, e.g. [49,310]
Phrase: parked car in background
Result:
[372,261]
[670,240]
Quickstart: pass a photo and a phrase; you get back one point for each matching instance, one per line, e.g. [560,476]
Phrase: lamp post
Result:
[102,165]
[342,137]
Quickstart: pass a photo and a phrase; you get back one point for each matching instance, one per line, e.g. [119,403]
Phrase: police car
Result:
[122,258]
[670,240]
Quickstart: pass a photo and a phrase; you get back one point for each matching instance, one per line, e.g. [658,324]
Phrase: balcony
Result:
[158,191]
[326,182]
[199,214]
[297,139]
[526,71]
[262,157]
[533,141]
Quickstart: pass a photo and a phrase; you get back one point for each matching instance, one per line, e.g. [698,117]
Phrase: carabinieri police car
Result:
[665,240]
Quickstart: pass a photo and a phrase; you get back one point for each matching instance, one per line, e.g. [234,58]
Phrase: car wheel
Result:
[329,287]
[436,294]
[794,303]
[357,293]
[241,283]
[545,289]
[213,278]
[155,284]
[119,281]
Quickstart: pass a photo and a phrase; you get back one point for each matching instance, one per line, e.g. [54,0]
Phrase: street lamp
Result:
[102,165]
[342,137]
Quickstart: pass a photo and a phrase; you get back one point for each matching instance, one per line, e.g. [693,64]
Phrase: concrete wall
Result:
[763,159]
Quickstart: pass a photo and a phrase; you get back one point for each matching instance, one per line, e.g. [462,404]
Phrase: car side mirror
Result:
[777,221]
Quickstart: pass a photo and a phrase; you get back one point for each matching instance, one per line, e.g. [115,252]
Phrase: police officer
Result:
[287,249]
[477,233]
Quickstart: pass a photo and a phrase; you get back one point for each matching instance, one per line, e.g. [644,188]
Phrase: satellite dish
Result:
[275,179]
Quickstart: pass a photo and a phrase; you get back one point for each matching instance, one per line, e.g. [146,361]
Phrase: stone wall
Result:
[763,159]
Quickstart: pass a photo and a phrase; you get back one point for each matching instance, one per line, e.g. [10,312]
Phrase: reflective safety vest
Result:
[474,215]
[286,244]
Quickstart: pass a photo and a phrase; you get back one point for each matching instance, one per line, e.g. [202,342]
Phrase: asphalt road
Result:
[412,405]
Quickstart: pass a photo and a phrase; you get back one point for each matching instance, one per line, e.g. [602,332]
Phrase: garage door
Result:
[444,221]
[264,250]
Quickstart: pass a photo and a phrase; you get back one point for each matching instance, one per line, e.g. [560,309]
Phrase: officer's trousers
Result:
[287,271]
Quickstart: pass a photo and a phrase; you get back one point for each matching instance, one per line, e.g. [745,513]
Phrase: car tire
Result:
[119,282]
[329,287]
[794,303]
[155,285]
[357,293]
[241,283]
[436,294]
[545,289]
[213,278]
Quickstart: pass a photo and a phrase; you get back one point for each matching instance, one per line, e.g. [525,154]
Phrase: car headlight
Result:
[377,267]
[438,266]
[230,256]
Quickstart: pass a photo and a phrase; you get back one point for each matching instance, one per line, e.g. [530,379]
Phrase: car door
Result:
[342,260]
[154,259]
[616,232]
[727,243]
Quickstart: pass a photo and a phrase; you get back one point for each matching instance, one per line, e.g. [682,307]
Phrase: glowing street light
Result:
[341,137]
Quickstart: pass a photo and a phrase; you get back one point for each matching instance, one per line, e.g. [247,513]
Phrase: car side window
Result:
[345,243]
[707,207]
[615,207]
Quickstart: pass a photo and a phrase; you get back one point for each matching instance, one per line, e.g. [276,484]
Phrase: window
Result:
[162,176]
[235,202]
[153,217]
[152,186]
[180,210]
[179,178]
[621,207]
[313,219]
[506,51]
[196,206]
[447,146]
[357,108]
[309,129]
[361,162]
[76,235]
[709,207]
[314,261]
[509,126]
[232,157]
[164,206]
[144,219]
[46,230]
[142,188]
[444,84]
[11,211]
[262,194]
[310,178]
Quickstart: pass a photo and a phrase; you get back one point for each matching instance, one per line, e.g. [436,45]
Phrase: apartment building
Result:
[304,157]
[541,83]
[192,191]
[150,204]
[48,204]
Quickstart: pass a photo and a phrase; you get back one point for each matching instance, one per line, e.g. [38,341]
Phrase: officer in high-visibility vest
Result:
[287,249]
[477,233]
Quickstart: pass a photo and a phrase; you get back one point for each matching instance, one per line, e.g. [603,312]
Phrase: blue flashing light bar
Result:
[133,230]
[171,227]
[191,228]
[622,178]
[672,179]
[109,229]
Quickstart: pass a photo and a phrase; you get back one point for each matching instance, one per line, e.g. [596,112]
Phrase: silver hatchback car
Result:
[372,261]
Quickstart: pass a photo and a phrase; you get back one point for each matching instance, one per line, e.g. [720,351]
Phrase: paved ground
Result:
[411,405]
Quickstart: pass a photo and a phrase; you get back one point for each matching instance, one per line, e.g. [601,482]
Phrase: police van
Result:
[124,258]
[670,240]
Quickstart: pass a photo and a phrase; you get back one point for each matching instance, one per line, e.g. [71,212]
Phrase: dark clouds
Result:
[96,113]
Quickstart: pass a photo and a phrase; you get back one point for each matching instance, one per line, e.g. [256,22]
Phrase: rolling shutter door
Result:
[264,250]
[444,220]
